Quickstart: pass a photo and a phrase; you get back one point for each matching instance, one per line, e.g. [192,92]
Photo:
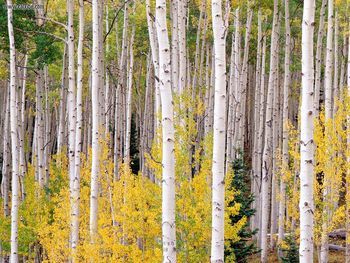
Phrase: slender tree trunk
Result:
[14,141]
[182,44]
[95,68]
[328,115]
[257,96]
[306,204]
[285,154]
[218,183]
[319,57]
[75,190]
[40,128]
[6,157]
[62,111]
[128,100]
[168,158]
[268,145]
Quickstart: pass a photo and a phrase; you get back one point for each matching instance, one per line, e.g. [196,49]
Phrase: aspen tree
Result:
[328,115]
[218,171]
[95,83]
[237,93]
[318,58]
[6,156]
[268,142]
[152,33]
[174,42]
[62,108]
[168,157]
[285,155]
[74,198]
[182,44]
[128,98]
[275,143]
[14,141]
[40,128]
[118,135]
[306,202]
[257,97]
[244,80]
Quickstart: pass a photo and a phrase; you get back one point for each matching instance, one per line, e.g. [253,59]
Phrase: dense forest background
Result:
[174,131]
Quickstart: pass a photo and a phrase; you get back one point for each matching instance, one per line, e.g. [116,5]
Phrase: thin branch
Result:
[41,32]
[53,21]
[114,18]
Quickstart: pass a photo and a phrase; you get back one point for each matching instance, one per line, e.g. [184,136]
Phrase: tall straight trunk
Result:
[275,144]
[319,57]
[268,142]
[218,184]
[62,108]
[75,190]
[182,44]
[107,88]
[168,157]
[95,69]
[6,157]
[71,93]
[244,81]
[40,125]
[14,141]
[336,64]
[174,42]
[119,94]
[237,93]
[257,109]
[285,154]
[306,203]
[129,99]
[230,107]
[328,115]
[21,119]
[329,63]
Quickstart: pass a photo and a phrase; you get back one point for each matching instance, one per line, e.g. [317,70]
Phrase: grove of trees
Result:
[174,131]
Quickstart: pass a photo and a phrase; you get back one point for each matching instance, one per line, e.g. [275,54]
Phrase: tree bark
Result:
[218,168]
[168,158]
[268,144]
[306,203]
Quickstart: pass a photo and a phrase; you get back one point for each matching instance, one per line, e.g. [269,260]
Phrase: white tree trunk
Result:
[128,99]
[306,204]
[285,154]
[95,68]
[218,184]
[62,108]
[14,141]
[71,93]
[257,97]
[328,115]
[319,57]
[267,152]
[6,163]
[75,190]
[168,158]
[40,125]
[181,20]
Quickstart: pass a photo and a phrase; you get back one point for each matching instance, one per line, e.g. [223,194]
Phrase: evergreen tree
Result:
[291,252]
[245,247]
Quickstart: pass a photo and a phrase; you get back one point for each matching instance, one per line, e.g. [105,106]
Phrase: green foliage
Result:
[245,247]
[291,253]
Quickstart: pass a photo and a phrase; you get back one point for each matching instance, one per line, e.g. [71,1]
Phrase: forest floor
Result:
[334,257]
